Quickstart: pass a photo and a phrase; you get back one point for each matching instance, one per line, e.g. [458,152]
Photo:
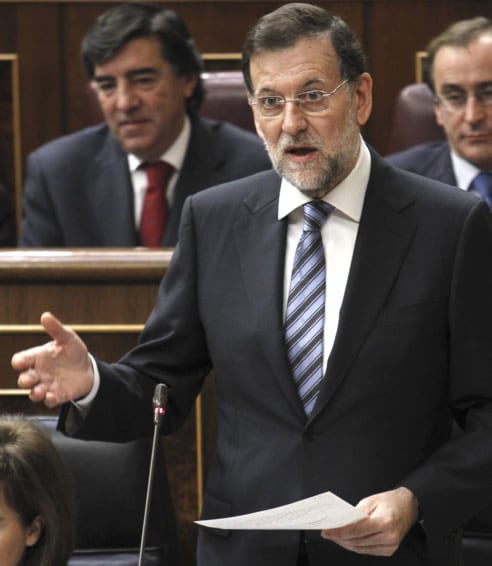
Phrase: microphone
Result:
[159,402]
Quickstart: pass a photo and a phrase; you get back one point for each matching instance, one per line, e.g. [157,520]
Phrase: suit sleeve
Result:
[455,482]
[172,350]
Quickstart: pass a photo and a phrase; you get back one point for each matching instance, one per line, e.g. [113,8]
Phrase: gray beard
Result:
[311,184]
[334,168]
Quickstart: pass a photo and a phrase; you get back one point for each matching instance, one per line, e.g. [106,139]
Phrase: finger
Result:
[27,379]
[37,393]
[51,400]
[25,359]
[22,361]
[367,505]
[369,538]
[359,529]
[370,549]
[375,545]
[54,327]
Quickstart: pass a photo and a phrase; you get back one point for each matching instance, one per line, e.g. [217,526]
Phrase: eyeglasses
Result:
[455,101]
[310,102]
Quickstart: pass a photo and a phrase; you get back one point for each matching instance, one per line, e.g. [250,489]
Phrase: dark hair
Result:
[288,24]
[120,24]
[34,483]
[459,34]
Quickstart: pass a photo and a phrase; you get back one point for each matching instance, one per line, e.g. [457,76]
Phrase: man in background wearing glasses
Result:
[344,307]
[459,73]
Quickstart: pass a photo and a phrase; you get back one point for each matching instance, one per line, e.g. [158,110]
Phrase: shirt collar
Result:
[175,155]
[347,197]
[464,171]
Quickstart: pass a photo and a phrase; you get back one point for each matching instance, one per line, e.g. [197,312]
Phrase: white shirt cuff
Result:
[85,403]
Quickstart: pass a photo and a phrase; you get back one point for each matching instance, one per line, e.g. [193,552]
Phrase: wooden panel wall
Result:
[46,36]
[106,296]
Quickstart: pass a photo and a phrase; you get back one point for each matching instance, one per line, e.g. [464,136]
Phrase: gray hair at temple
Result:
[284,27]
[117,26]
[459,34]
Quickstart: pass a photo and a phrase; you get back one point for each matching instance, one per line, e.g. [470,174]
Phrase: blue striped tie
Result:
[304,320]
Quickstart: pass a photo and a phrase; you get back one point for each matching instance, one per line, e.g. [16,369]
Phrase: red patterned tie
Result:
[154,210]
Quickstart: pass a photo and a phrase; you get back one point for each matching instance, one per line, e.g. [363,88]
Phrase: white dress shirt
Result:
[175,156]
[464,172]
[338,233]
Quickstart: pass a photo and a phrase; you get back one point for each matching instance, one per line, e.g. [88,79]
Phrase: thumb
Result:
[367,505]
[55,329]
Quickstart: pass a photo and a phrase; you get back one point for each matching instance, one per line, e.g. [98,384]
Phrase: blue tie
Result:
[304,320]
[483,185]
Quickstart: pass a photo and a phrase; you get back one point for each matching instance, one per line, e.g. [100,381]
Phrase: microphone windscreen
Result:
[160,395]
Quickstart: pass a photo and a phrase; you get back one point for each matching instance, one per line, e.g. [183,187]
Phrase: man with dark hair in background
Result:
[89,188]
[459,72]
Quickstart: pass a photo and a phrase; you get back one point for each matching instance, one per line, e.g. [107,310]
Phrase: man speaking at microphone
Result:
[345,308]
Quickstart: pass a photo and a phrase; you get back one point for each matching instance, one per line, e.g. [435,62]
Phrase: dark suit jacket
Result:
[78,189]
[431,160]
[412,353]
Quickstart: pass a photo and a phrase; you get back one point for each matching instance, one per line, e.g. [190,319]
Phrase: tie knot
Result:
[158,172]
[483,185]
[316,213]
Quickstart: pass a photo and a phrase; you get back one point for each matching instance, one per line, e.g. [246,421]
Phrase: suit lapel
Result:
[385,232]
[112,196]
[199,171]
[261,243]
[443,167]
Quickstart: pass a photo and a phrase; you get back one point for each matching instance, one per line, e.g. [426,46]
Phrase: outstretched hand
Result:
[391,514]
[58,371]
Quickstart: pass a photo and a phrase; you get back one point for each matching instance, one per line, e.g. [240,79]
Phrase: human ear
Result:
[363,97]
[34,531]
[437,112]
[189,85]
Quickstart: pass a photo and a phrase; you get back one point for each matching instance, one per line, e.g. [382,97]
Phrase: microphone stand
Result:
[158,404]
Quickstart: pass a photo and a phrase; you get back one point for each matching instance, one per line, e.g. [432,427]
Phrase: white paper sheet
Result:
[323,511]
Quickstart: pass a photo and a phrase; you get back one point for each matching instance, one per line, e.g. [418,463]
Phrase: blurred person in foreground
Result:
[344,307]
[459,73]
[89,188]
[36,521]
